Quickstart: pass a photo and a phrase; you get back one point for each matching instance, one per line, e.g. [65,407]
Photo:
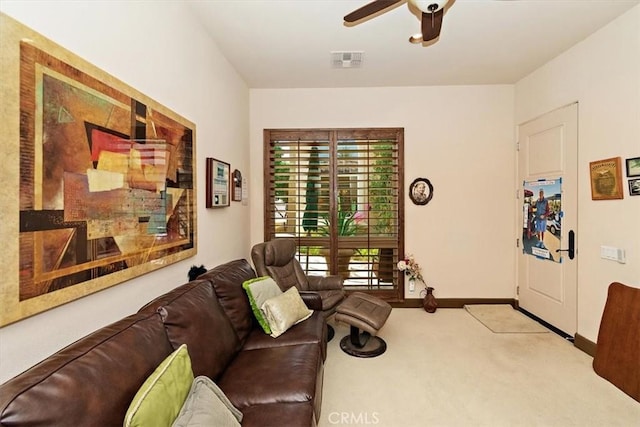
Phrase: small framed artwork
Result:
[217,183]
[421,191]
[634,187]
[633,166]
[236,195]
[606,179]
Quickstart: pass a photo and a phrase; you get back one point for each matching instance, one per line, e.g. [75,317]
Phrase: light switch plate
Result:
[613,254]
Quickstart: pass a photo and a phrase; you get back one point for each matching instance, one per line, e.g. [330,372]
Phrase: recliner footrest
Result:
[367,313]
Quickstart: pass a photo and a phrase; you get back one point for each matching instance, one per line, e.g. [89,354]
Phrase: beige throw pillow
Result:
[284,311]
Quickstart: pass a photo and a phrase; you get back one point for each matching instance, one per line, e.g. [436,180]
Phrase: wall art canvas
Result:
[542,218]
[98,183]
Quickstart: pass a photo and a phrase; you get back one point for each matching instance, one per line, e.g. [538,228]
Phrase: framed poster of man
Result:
[542,218]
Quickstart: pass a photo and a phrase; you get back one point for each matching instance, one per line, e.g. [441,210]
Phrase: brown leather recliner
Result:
[277,259]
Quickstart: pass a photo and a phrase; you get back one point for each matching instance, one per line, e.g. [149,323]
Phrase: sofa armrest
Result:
[327,283]
[312,300]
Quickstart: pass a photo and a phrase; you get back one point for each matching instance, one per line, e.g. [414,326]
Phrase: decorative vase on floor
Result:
[429,302]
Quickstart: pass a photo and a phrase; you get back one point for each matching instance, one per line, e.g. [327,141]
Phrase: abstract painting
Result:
[100,182]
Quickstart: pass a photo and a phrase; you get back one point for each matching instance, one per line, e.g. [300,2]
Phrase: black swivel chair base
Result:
[362,344]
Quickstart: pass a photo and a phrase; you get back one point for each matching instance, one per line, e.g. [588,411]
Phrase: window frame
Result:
[334,137]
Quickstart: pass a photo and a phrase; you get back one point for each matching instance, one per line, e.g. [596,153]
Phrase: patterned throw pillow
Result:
[284,311]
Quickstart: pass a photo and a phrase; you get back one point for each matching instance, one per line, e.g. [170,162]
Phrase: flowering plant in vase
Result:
[411,268]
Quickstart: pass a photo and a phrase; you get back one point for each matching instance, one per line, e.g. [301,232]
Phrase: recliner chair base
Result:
[362,344]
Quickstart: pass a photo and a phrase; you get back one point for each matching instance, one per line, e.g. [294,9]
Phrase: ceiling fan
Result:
[431,19]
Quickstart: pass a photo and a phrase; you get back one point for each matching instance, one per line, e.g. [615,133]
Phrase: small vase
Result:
[429,302]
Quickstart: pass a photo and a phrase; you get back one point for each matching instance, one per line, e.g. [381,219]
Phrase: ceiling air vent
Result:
[346,59]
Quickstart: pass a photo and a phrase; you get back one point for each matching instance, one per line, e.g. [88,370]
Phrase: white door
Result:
[547,277]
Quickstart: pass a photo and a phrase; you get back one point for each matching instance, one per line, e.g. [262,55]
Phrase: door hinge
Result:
[517,145]
[517,194]
[517,243]
[517,290]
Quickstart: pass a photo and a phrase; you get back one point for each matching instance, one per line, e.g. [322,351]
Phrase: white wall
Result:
[160,49]
[602,73]
[459,137]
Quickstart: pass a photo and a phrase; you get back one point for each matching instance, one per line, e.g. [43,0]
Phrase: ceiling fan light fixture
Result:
[429,6]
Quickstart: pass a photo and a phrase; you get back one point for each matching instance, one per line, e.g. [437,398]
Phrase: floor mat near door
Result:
[503,319]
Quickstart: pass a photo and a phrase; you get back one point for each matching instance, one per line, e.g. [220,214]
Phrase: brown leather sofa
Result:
[273,382]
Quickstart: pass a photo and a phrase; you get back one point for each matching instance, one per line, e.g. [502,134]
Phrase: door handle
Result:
[571,249]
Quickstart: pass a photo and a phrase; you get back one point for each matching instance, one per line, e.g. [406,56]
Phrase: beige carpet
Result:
[503,319]
[447,369]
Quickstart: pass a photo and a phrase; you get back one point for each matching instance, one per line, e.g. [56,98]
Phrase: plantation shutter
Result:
[338,192]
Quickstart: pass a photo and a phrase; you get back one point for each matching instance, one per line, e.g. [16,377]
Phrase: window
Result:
[339,193]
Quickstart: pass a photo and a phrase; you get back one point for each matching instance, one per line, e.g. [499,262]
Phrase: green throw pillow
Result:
[259,290]
[159,400]
[284,311]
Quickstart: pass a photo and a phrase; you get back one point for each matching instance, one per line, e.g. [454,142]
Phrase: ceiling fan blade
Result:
[431,24]
[370,9]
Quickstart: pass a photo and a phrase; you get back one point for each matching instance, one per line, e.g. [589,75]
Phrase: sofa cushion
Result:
[193,316]
[159,400]
[284,311]
[206,405]
[259,290]
[311,331]
[92,381]
[279,414]
[270,375]
[227,280]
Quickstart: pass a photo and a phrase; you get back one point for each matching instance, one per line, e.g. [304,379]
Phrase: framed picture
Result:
[98,179]
[236,195]
[421,191]
[217,183]
[633,166]
[606,179]
[634,187]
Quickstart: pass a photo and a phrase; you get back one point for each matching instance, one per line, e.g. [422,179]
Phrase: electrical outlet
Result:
[412,286]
